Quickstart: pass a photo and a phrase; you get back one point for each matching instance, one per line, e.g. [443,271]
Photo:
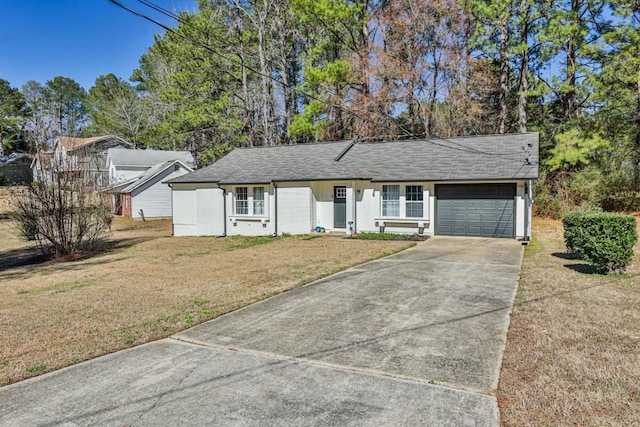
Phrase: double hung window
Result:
[242,201]
[402,201]
[391,200]
[414,205]
[258,200]
[250,201]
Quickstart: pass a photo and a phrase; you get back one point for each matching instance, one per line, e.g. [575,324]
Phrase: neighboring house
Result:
[473,186]
[15,168]
[125,164]
[41,166]
[146,195]
[78,157]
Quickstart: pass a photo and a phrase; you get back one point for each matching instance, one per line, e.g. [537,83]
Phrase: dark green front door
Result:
[485,210]
[339,207]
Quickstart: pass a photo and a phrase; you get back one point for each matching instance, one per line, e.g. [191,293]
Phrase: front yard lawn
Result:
[573,348]
[147,286]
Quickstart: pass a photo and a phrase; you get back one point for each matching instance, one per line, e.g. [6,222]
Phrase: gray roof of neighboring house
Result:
[146,158]
[489,157]
[14,157]
[149,174]
[71,143]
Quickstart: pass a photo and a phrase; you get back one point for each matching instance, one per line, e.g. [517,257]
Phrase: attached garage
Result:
[483,210]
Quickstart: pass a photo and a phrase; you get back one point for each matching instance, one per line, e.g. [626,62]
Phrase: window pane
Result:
[414,206]
[258,200]
[390,192]
[414,209]
[391,200]
[390,208]
[414,192]
[242,201]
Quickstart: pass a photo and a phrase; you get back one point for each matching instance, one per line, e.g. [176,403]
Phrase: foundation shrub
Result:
[603,239]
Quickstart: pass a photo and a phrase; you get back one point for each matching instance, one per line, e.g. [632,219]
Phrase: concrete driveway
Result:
[411,339]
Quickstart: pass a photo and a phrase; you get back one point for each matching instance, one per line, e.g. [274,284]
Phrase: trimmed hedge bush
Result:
[573,228]
[605,240]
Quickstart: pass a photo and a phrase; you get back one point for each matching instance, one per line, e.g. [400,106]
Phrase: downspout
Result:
[224,210]
[275,209]
[173,226]
[527,211]
[354,193]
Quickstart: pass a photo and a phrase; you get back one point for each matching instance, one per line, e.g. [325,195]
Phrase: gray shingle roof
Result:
[490,157]
[148,175]
[279,163]
[127,157]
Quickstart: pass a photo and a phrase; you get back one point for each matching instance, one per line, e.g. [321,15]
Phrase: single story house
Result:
[125,164]
[146,195]
[471,186]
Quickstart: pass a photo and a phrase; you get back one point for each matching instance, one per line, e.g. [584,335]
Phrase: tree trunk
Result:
[504,74]
[636,163]
[523,86]
[570,105]
[264,86]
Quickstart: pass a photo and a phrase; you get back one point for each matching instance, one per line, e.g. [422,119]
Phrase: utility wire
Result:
[252,69]
[177,17]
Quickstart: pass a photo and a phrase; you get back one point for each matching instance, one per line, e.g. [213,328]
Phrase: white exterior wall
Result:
[198,210]
[245,225]
[323,204]
[154,197]
[302,206]
[294,208]
[520,210]
[368,206]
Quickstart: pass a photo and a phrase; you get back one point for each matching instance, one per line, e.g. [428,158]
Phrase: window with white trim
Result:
[402,201]
[250,201]
[258,200]
[391,200]
[242,201]
[414,201]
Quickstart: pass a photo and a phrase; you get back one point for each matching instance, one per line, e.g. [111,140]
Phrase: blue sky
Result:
[80,39]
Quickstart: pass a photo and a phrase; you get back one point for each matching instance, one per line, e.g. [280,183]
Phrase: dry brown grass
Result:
[573,347]
[147,286]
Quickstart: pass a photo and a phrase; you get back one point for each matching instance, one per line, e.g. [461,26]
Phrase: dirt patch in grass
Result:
[148,285]
[573,347]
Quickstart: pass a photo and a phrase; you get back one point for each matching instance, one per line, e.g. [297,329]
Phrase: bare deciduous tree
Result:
[64,214]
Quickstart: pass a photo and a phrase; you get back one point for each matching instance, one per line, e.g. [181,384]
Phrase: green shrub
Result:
[387,236]
[605,240]
[573,228]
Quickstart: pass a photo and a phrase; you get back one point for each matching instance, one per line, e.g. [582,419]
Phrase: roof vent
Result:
[346,149]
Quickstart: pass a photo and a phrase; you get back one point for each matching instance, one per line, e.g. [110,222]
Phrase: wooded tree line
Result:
[269,72]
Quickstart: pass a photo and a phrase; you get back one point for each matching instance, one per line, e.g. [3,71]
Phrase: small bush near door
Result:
[605,240]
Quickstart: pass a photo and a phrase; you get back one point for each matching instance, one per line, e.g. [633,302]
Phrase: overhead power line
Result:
[179,19]
[235,61]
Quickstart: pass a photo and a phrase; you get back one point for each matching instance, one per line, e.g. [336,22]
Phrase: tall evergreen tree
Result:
[12,117]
